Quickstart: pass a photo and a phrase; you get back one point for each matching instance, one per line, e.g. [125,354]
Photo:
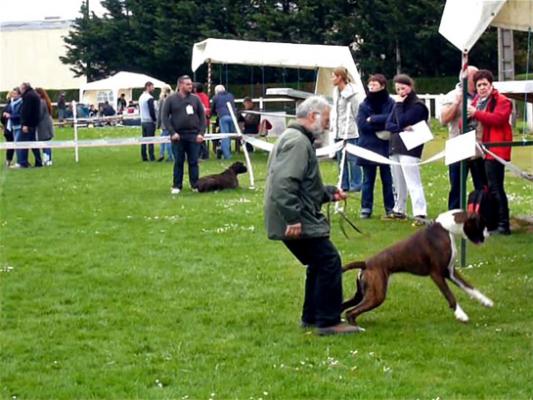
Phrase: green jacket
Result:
[294,191]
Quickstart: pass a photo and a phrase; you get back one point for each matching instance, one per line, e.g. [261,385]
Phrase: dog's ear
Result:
[474,228]
[460,217]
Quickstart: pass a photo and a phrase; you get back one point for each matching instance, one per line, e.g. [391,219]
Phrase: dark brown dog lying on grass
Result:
[430,251]
[225,180]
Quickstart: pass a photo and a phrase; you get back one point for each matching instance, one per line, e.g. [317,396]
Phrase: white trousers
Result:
[406,179]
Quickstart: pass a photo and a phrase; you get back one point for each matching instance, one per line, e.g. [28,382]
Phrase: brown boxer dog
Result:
[430,251]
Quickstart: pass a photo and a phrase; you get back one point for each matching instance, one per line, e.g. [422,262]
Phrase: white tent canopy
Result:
[464,21]
[121,82]
[289,55]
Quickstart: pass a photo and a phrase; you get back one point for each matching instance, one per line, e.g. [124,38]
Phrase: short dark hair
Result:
[378,78]
[183,78]
[404,79]
[199,87]
[247,98]
[483,74]
[148,84]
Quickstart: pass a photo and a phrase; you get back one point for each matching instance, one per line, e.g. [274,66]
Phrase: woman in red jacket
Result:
[492,110]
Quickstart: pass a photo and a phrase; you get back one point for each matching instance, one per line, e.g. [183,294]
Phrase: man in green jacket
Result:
[294,195]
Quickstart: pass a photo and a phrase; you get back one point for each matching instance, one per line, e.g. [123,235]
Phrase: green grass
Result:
[111,288]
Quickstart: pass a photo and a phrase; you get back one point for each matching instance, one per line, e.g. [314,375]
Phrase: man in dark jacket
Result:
[29,119]
[185,116]
[294,195]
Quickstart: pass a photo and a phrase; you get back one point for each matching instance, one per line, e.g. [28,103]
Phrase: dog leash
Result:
[344,217]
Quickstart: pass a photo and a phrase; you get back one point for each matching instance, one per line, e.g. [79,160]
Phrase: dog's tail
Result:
[354,265]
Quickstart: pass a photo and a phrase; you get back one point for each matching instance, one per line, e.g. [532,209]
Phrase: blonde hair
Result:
[342,72]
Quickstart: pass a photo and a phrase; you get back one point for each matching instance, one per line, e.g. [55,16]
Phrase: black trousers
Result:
[323,283]
[495,177]
[148,130]
[9,138]
[477,170]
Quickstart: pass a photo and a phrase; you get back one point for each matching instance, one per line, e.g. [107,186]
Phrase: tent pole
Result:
[209,71]
[463,171]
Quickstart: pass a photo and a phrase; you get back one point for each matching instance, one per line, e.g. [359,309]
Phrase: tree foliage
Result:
[156,36]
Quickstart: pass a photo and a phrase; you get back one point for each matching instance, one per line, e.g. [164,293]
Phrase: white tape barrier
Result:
[66,144]
[513,168]
[260,144]
[378,158]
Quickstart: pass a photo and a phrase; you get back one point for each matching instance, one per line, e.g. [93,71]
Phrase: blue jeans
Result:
[369,179]
[22,154]
[351,177]
[226,126]
[192,149]
[166,147]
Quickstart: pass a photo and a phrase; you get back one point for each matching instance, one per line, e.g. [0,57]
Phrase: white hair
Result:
[219,89]
[310,105]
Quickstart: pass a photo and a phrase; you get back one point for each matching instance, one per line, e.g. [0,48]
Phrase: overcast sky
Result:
[31,10]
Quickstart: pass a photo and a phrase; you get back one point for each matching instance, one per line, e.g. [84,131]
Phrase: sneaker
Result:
[420,220]
[48,163]
[175,190]
[395,215]
[340,329]
[160,159]
[364,215]
[16,166]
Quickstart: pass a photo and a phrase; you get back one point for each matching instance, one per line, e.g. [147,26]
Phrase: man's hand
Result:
[175,137]
[340,195]
[470,111]
[293,231]
[199,138]
[25,129]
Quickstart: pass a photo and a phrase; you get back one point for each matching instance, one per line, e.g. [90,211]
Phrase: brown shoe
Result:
[340,329]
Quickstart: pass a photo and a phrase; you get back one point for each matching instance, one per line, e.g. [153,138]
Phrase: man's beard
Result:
[316,129]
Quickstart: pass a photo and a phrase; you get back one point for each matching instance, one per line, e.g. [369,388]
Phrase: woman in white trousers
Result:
[407,111]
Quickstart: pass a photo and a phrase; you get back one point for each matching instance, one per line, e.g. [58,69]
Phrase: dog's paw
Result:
[460,315]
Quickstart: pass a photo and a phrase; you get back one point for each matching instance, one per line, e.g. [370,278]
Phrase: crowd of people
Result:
[27,117]
[378,123]
[375,124]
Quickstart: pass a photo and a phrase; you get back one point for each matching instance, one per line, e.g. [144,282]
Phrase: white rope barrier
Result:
[513,168]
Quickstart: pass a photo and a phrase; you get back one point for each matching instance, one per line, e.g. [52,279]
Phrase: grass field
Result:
[112,288]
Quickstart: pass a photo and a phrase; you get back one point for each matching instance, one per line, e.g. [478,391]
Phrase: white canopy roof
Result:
[304,56]
[121,81]
[464,21]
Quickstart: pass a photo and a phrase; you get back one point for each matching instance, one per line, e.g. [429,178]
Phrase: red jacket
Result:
[495,122]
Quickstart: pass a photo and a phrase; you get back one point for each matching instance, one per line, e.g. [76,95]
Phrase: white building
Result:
[30,51]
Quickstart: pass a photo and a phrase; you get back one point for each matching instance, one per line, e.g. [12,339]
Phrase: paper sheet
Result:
[460,148]
[419,135]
